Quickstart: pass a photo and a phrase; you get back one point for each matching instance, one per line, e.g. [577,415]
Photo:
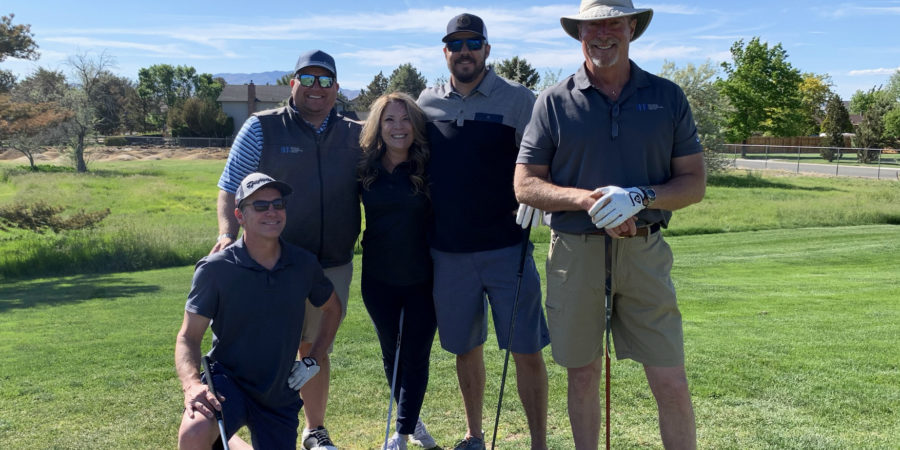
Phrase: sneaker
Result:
[317,439]
[421,437]
[470,443]
[396,443]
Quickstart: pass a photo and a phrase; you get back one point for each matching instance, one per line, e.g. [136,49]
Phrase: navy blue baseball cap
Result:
[466,23]
[316,58]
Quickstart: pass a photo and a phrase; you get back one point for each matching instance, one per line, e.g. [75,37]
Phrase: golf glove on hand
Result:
[302,372]
[615,206]
[528,216]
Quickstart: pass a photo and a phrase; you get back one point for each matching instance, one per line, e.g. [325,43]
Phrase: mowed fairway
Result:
[791,335]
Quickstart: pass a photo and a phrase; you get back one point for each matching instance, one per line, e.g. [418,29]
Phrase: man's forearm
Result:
[187,362]
[225,213]
[331,319]
[533,188]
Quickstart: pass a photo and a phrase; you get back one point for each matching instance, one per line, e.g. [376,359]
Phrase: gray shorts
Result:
[464,284]
[340,277]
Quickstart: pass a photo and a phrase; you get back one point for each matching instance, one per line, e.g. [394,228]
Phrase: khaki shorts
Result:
[340,277]
[646,323]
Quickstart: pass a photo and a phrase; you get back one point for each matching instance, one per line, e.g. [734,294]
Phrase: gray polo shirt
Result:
[257,314]
[474,142]
[589,141]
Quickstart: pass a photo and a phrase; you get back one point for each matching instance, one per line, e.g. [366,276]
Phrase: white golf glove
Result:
[615,206]
[529,215]
[302,372]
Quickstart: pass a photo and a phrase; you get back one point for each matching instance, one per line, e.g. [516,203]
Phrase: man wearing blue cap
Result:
[313,148]
[475,123]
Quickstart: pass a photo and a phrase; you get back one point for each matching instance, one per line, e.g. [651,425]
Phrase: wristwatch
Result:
[225,235]
[649,195]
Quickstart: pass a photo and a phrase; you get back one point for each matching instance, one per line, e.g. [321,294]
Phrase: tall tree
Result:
[518,70]
[815,90]
[285,79]
[168,86]
[42,85]
[708,106]
[7,81]
[84,100]
[763,89]
[834,125]
[549,79]
[406,78]
[29,127]
[375,89]
[16,41]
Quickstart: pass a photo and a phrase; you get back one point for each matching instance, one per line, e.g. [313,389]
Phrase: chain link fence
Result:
[159,141]
[837,161]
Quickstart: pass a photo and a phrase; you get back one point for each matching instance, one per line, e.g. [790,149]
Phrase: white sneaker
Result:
[317,439]
[421,437]
[396,442]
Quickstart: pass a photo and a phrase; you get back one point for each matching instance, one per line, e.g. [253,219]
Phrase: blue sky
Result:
[856,43]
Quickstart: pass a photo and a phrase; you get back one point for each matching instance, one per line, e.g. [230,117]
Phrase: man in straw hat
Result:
[611,151]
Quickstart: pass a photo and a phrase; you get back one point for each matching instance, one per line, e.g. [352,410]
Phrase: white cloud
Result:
[848,9]
[879,71]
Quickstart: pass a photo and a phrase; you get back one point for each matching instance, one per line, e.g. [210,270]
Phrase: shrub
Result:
[116,141]
[41,216]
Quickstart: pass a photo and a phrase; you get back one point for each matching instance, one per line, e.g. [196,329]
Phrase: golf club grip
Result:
[204,363]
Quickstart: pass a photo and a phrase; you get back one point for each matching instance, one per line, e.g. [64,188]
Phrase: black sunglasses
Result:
[307,80]
[473,44]
[263,205]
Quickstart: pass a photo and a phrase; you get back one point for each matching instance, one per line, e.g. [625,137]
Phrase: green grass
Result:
[791,340]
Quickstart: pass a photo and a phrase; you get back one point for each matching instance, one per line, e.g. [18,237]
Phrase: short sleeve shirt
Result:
[589,141]
[257,314]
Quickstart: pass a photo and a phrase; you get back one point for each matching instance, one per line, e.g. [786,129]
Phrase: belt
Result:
[641,231]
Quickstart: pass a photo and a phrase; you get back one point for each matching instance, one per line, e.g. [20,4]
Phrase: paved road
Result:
[883,173]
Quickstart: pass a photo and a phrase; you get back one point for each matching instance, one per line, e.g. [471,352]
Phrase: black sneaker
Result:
[318,439]
[470,443]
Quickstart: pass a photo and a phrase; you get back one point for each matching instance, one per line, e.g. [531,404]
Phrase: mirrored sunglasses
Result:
[307,80]
[472,44]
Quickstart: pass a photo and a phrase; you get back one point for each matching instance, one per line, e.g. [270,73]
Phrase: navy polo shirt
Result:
[474,141]
[395,248]
[257,314]
[589,141]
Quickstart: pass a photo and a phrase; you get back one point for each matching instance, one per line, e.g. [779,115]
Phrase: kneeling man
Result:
[252,294]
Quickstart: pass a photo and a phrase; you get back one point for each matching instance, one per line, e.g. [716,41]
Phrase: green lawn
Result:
[788,286]
[791,337]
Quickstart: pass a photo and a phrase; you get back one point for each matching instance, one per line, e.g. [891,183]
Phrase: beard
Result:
[599,58]
[463,76]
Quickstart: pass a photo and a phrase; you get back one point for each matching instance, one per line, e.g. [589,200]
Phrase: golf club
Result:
[512,323]
[204,361]
[387,430]
[609,306]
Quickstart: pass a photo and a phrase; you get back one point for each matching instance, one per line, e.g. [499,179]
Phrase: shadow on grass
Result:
[29,294]
[755,181]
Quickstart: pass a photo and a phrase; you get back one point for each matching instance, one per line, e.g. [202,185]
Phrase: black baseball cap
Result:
[466,23]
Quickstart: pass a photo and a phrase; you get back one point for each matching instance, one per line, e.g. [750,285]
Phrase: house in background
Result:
[239,101]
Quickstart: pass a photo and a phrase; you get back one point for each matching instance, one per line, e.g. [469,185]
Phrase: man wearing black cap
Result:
[252,296]
[314,149]
[475,124]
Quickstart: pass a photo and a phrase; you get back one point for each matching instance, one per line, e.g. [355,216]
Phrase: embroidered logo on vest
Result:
[289,149]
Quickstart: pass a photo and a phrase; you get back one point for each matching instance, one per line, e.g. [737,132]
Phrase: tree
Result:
[708,106]
[167,87]
[84,100]
[834,125]
[285,79]
[7,81]
[518,70]
[375,89]
[406,78]
[814,93]
[16,41]
[42,85]
[199,117]
[892,125]
[763,89]
[28,127]
[549,79]
[114,95]
[870,131]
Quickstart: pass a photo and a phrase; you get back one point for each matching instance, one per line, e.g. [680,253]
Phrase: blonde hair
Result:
[373,147]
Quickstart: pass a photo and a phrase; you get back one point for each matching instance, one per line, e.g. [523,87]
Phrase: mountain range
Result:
[271,77]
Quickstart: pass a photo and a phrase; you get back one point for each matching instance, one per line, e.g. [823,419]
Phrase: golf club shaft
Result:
[609,305]
[387,429]
[204,362]
[512,327]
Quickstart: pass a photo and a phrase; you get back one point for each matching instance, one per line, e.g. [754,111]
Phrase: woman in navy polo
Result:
[396,264]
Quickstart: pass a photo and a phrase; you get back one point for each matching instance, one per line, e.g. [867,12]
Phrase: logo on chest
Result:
[290,149]
[648,107]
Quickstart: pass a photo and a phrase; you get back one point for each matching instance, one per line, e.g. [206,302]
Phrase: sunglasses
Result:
[307,80]
[263,205]
[473,44]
